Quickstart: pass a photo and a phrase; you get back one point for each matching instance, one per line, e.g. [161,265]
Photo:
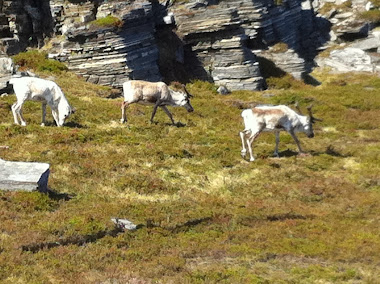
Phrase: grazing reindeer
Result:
[36,89]
[159,94]
[274,119]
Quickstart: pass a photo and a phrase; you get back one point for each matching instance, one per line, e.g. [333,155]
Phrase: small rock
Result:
[124,224]
[223,90]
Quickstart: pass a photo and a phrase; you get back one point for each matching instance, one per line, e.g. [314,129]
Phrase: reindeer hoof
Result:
[123,120]
[243,153]
[42,124]
[251,159]
[23,124]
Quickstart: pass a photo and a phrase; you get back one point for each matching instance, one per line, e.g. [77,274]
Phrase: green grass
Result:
[209,216]
[371,15]
[109,21]
[38,62]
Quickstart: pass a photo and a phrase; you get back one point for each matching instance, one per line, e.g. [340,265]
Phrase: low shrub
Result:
[371,16]
[280,47]
[284,82]
[38,61]
[107,22]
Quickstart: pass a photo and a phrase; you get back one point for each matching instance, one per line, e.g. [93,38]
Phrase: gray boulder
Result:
[347,60]
[24,176]
[6,71]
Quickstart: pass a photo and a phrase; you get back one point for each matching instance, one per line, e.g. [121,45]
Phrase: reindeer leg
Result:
[17,113]
[54,112]
[18,110]
[249,143]
[43,114]
[154,111]
[14,112]
[23,123]
[124,105]
[277,142]
[242,136]
[168,113]
[297,142]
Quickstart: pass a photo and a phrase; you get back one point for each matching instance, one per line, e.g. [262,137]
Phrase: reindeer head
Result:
[307,121]
[182,97]
[64,111]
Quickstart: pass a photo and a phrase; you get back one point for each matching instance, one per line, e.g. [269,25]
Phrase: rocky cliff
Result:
[229,37]
[231,43]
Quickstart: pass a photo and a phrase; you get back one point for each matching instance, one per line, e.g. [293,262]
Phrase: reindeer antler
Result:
[298,107]
[188,94]
[313,119]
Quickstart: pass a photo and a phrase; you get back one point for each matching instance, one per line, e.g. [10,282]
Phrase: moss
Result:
[38,61]
[328,6]
[280,47]
[284,82]
[371,16]
[106,22]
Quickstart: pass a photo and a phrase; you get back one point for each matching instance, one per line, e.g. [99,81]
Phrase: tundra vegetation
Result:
[207,215]
[107,22]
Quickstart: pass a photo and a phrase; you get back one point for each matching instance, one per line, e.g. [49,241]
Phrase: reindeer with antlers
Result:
[275,119]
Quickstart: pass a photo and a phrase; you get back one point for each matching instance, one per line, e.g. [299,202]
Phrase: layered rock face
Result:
[29,22]
[359,42]
[108,56]
[227,37]
[216,45]
[226,42]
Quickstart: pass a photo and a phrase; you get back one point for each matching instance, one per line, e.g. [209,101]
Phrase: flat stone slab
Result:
[24,176]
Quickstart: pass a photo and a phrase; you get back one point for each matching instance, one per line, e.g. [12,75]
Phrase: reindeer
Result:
[275,119]
[158,94]
[36,89]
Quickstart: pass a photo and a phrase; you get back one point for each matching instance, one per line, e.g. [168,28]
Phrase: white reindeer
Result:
[158,94]
[45,91]
[274,119]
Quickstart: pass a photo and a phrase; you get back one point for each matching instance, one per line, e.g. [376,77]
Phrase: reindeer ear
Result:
[73,110]
[316,119]
[313,119]
[309,110]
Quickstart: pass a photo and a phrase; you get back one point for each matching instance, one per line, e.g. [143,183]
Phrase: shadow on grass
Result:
[84,239]
[58,196]
[283,154]
[78,240]
[177,124]
[73,124]
[331,152]
[288,153]
[288,216]
[70,124]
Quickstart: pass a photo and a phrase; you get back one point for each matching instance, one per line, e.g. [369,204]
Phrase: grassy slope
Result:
[288,220]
